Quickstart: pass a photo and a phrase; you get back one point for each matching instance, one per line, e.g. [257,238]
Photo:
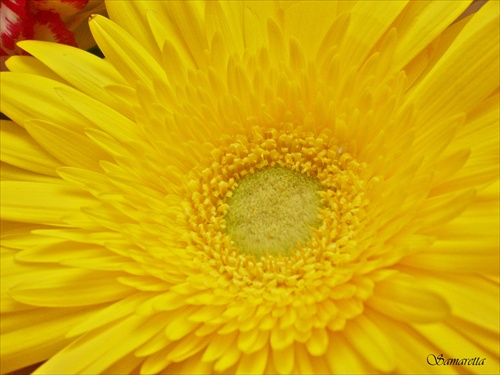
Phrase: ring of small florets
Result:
[324,259]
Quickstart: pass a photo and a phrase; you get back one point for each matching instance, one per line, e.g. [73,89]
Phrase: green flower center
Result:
[273,210]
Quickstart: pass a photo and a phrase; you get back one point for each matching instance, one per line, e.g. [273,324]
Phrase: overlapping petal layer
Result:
[119,174]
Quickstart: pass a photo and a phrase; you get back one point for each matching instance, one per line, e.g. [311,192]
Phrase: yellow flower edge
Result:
[360,137]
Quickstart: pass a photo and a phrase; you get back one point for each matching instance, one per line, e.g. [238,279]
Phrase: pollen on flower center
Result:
[276,211]
[269,205]
[272,210]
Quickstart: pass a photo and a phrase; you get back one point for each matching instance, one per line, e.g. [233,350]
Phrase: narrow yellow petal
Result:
[175,59]
[81,69]
[281,338]
[16,235]
[469,296]
[371,343]
[112,122]
[344,359]
[369,20]
[188,19]
[334,36]
[70,147]
[254,36]
[131,365]
[227,360]
[75,288]
[31,65]
[304,360]
[401,298]
[50,250]
[180,326]
[19,149]
[441,209]
[484,338]
[218,345]
[10,173]
[132,337]
[132,15]
[155,363]
[109,314]
[318,343]
[35,97]
[473,57]
[453,344]
[41,332]
[284,359]
[184,349]
[131,60]
[420,23]
[254,363]
[226,18]
[192,366]
[252,340]
[467,244]
[413,348]
[302,22]
[81,356]
[22,201]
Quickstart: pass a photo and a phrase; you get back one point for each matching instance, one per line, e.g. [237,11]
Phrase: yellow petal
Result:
[369,20]
[254,363]
[227,360]
[35,97]
[226,18]
[19,149]
[133,62]
[132,16]
[31,65]
[219,344]
[81,69]
[50,250]
[281,338]
[284,359]
[111,313]
[180,326]
[40,332]
[318,343]
[371,343]
[71,288]
[469,296]
[70,147]
[453,344]
[301,21]
[184,349]
[80,357]
[19,235]
[412,347]
[473,57]
[252,340]
[32,202]
[484,338]
[402,298]
[109,120]
[304,360]
[481,135]
[188,19]
[441,209]
[420,23]
[156,362]
[192,366]
[11,173]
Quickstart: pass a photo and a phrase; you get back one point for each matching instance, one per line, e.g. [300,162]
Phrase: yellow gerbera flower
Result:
[255,187]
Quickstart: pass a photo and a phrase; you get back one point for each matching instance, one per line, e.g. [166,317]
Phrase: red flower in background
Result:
[54,20]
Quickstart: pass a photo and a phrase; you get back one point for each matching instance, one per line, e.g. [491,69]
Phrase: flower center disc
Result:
[272,211]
